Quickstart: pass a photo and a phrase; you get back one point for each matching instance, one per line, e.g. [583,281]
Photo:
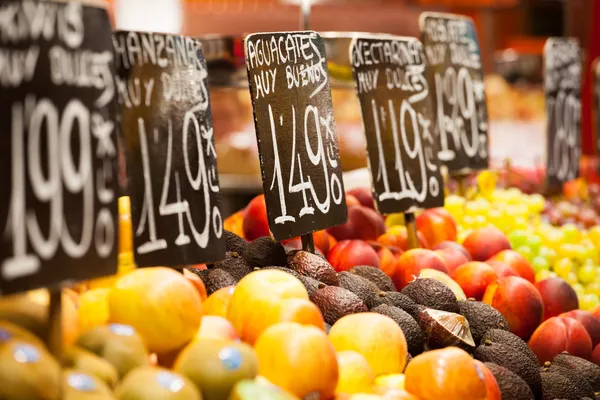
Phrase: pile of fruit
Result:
[465,316]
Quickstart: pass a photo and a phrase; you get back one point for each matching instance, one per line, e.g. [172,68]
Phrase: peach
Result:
[363,195]
[387,259]
[493,390]
[452,245]
[397,236]
[437,225]
[517,262]
[558,297]
[502,269]
[589,322]
[596,355]
[256,222]
[485,243]
[351,200]
[411,262]
[518,301]
[453,258]
[474,277]
[349,253]
[559,334]
[363,223]
[214,327]
[197,282]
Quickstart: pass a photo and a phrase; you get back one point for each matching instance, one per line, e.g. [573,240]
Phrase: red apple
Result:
[589,322]
[502,269]
[517,262]
[349,253]
[485,243]
[453,258]
[474,277]
[437,225]
[363,223]
[256,222]
[558,297]
[214,327]
[559,334]
[411,262]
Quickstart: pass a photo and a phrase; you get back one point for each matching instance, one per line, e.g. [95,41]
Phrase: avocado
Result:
[395,299]
[218,279]
[412,331]
[336,302]
[252,390]
[234,243]
[443,329]
[234,265]
[586,369]
[264,252]
[433,294]
[309,283]
[512,386]
[215,366]
[155,383]
[118,344]
[375,275]
[578,380]
[500,336]
[79,385]
[513,360]
[558,386]
[202,273]
[482,317]
[358,285]
[313,266]
[87,362]
[28,372]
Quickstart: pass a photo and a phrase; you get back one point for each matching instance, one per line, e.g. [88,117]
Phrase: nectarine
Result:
[517,262]
[454,258]
[410,263]
[502,269]
[474,277]
[363,223]
[589,322]
[437,225]
[558,297]
[484,243]
[349,253]
[559,334]
[256,221]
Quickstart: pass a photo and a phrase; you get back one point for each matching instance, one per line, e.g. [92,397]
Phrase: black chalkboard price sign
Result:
[389,73]
[456,81]
[562,87]
[167,128]
[58,147]
[295,128]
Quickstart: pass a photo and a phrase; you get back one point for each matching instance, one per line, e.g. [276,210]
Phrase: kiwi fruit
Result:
[358,285]
[500,336]
[584,368]
[375,275]
[264,252]
[234,243]
[336,302]
[433,294]
[511,385]
[513,360]
[410,327]
[482,317]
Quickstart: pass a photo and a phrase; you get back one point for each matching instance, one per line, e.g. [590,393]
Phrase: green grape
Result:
[540,263]
[526,252]
[517,238]
[586,274]
[593,288]
[542,274]
[579,289]
[563,267]
[548,253]
[571,232]
[571,278]
[469,221]
[573,251]
[480,221]
[588,301]
[535,243]
[536,203]
[520,223]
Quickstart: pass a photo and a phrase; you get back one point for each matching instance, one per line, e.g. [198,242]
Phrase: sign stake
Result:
[55,324]
[411,230]
[308,243]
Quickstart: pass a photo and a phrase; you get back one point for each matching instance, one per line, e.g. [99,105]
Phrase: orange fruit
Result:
[217,303]
[235,223]
[298,358]
[256,301]
[93,309]
[377,337]
[160,303]
[355,373]
[449,374]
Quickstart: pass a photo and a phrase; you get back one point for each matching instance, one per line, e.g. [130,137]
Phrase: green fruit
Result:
[118,344]
[216,366]
[540,264]
[251,390]
[336,302]
[410,327]
[358,285]
[28,372]
[511,385]
[375,275]
[81,386]
[154,383]
[517,238]
[482,317]
[89,363]
[433,294]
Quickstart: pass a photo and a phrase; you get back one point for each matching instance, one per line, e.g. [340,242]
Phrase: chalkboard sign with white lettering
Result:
[58,145]
[456,81]
[295,129]
[397,111]
[166,123]
[562,87]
